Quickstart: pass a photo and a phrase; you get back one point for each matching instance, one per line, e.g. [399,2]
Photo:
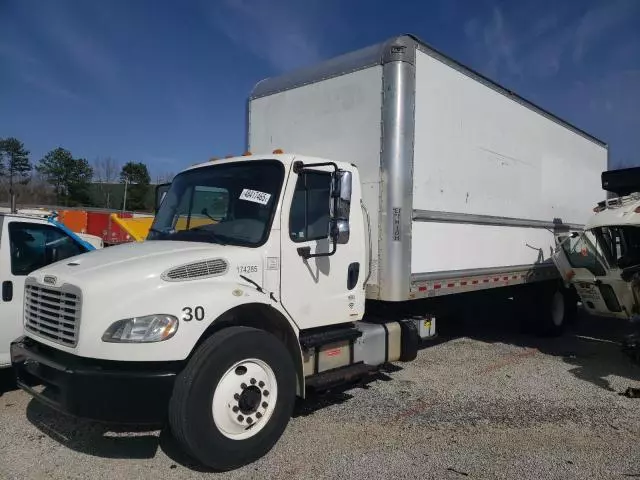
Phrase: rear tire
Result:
[548,309]
[233,401]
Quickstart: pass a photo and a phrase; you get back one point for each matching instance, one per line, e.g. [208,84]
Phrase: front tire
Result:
[233,401]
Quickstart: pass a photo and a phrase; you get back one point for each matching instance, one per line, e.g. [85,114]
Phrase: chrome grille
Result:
[192,271]
[52,313]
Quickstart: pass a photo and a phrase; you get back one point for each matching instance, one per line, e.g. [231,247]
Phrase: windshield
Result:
[620,244]
[581,252]
[229,204]
[616,246]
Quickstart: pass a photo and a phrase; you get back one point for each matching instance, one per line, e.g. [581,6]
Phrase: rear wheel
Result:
[234,399]
[547,309]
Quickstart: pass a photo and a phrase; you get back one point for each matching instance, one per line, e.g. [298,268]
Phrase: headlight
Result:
[150,328]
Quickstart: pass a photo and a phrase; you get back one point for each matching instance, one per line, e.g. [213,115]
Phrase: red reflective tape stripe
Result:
[463,283]
[486,280]
[422,289]
[437,285]
[514,277]
[333,353]
[496,279]
[505,278]
[451,285]
[474,282]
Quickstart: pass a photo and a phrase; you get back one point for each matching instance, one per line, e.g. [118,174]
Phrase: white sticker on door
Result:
[255,196]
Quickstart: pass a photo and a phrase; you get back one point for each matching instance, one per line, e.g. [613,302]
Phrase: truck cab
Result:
[603,262]
[249,259]
[27,243]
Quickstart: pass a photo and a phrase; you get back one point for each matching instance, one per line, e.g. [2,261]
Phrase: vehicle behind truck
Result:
[386,187]
[28,242]
[602,263]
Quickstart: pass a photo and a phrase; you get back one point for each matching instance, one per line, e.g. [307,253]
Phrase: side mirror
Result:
[339,231]
[340,206]
[161,192]
[340,194]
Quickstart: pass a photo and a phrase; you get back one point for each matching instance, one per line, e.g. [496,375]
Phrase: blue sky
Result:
[165,82]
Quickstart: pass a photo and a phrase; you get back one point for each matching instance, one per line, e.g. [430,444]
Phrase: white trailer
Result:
[407,181]
[465,182]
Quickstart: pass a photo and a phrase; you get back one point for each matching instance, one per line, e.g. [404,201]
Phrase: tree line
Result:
[62,179]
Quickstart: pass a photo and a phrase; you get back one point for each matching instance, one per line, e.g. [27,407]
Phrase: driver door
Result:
[327,289]
[602,291]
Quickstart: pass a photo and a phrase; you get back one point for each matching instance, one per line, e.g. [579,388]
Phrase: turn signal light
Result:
[277,151]
[246,154]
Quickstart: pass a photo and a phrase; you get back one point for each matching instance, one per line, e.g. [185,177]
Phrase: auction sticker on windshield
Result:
[255,196]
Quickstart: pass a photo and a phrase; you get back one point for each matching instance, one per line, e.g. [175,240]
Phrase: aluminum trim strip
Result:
[438,284]
[476,219]
[396,186]
[478,272]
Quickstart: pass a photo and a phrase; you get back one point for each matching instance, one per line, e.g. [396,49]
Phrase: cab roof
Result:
[285,158]
[616,211]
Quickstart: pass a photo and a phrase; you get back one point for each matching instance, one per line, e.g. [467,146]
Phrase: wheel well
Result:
[263,317]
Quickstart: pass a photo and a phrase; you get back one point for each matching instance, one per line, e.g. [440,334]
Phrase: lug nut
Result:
[249,420]
[243,386]
[266,393]
[236,396]
[261,384]
[235,409]
[240,418]
[253,381]
[258,415]
[265,404]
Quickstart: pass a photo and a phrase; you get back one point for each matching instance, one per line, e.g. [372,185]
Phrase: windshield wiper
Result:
[215,237]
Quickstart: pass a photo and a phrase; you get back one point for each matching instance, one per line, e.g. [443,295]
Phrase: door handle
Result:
[352,275]
[7,291]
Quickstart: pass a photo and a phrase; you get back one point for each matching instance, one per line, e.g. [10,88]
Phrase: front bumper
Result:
[110,391]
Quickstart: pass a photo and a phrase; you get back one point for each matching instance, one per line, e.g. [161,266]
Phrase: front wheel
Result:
[234,399]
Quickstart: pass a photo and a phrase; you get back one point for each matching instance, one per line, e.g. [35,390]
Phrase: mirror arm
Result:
[305,252]
[299,167]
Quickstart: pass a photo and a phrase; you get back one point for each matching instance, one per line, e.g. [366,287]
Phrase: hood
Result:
[132,262]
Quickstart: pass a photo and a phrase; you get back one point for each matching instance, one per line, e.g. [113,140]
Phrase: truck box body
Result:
[464,181]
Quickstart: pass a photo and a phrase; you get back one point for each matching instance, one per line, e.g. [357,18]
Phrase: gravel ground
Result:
[482,402]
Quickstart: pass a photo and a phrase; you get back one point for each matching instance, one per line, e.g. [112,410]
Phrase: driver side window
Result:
[34,246]
[309,217]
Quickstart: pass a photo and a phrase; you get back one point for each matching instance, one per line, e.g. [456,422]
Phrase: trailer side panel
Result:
[480,153]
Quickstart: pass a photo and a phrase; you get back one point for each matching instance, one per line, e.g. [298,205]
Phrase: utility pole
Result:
[124,202]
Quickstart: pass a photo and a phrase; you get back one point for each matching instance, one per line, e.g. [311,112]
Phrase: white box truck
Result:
[408,184]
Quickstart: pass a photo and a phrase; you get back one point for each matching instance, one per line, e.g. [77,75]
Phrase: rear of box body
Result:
[459,175]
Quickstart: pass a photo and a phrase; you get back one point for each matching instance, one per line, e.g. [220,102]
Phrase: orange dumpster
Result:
[74,220]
